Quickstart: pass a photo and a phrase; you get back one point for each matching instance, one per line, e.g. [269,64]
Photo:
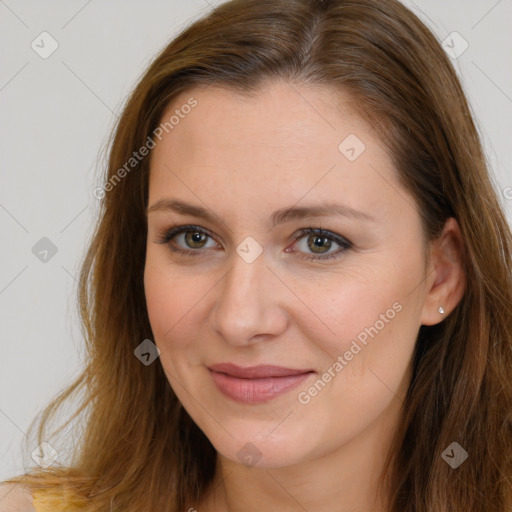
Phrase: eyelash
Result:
[177,230]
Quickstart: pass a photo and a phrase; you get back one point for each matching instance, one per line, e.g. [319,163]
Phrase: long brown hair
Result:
[138,449]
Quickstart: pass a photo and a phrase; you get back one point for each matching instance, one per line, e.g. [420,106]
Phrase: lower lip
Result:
[256,391]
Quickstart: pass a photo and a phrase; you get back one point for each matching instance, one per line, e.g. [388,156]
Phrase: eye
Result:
[320,242]
[188,238]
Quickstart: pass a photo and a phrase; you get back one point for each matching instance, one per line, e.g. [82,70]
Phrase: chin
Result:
[265,443]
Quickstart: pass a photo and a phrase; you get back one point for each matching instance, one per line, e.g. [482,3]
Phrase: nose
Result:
[249,304]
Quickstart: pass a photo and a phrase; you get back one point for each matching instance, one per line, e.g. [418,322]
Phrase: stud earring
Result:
[441,310]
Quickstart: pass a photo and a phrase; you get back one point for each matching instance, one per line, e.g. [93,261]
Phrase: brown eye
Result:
[195,239]
[188,240]
[318,244]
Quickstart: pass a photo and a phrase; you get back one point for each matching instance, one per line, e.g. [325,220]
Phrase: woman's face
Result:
[282,344]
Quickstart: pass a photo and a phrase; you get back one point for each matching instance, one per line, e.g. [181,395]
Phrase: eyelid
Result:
[344,243]
[321,232]
[170,234]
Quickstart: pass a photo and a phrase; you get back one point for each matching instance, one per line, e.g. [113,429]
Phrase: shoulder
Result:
[15,498]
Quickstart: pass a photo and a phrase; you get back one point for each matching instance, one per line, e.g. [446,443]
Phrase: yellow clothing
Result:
[51,501]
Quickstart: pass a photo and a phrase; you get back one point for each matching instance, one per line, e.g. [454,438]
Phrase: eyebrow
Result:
[278,217]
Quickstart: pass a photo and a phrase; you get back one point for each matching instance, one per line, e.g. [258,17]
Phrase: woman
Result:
[298,295]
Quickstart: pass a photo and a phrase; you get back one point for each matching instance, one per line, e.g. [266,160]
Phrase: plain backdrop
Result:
[55,116]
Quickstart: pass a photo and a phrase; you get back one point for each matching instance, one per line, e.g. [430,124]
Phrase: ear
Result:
[448,278]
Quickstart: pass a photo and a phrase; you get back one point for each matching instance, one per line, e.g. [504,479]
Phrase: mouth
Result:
[256,384]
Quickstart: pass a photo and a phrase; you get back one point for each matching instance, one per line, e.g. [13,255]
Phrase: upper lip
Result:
[255,372]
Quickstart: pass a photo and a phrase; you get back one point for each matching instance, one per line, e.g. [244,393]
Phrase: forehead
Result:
[283,140]
[279,117]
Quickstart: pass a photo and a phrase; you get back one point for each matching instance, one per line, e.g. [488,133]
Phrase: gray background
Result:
[56,114]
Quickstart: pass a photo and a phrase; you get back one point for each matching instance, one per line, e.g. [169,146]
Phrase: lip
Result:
[256,384]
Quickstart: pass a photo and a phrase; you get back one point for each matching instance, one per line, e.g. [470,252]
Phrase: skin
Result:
[15,498]
[242,157]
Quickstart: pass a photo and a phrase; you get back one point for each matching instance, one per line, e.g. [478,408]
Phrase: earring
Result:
[441,310]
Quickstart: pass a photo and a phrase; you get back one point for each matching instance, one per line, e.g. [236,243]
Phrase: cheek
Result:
[348,300]
[177,305]
[364,365]
[162,306]
[368,314]
[168,305]
[169,299]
